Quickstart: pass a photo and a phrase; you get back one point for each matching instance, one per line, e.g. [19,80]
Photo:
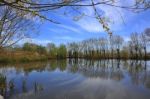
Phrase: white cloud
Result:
[93,88]
[126,38]
[70,28]
[36,41]
[88,22]
[64,38]
[117,16]
[65,29]
[90,25]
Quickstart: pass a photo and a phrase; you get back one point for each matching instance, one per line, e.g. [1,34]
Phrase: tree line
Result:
[29,52]
[113,47]
[51,50]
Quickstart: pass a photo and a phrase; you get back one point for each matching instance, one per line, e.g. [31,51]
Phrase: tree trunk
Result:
[112,53]
[131,56]
[104,54]
[145,53]
[136,54]
[118,54]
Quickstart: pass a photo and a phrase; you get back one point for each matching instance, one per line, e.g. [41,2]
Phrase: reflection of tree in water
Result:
[113,69]
[73,65]
[38,66]
[103,68]
[117,73]
[135,70]
[62,64]
[138,72]
[26,67]
[53,64]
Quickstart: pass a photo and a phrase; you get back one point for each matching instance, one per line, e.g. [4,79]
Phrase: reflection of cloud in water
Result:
[90,88]
[81,80]
[23,95]
[107,89]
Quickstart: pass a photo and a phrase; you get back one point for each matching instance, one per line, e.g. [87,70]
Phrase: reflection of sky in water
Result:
[81,80]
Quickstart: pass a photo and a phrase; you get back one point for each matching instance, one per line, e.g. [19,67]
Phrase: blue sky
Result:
[123,22]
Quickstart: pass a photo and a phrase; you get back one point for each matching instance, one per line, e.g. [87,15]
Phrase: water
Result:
[71,79]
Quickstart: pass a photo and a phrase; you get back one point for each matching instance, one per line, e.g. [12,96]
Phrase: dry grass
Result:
[20,56]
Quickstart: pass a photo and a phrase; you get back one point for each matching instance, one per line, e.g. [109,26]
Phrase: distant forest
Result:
[112,47]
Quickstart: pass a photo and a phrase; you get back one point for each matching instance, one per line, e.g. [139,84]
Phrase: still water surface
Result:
[71,79]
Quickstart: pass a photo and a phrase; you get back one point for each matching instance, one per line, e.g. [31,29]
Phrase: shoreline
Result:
[45,59]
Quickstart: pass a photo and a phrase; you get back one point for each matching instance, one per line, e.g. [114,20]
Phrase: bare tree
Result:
[135,43]
[32,6]
[145,38]
[104,45]
[112,43]
[131,49]
[84,48]
[118,41]
[147,32]
[37,7]
[13,26]
[73,50]
[98,48]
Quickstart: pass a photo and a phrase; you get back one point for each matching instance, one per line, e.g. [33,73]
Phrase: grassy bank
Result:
[21,56]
